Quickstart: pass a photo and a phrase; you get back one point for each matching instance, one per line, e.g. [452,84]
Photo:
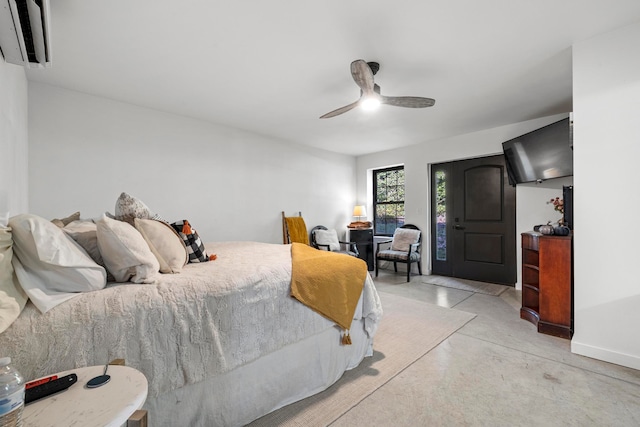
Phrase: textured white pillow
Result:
[328,237]
[12,297]
[165,243]
[403,238]
[125,252]
[128,208]
[50,266]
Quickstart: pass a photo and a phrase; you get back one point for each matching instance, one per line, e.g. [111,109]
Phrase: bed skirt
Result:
[246,393]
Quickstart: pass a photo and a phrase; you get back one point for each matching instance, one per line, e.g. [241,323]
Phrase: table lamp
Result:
[359,211]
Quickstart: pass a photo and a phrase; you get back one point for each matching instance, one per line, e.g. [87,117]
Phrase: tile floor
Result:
[496,371]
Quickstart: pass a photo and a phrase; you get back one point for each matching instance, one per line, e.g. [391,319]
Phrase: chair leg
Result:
[408,272]
[377,262]
[420,267]
[395,267]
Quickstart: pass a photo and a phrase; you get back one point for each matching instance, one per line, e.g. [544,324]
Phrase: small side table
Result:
[109,405]
[364,241]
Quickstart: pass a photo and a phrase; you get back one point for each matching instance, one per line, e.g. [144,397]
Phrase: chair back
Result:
[402,240]
[294,230]
[312,235]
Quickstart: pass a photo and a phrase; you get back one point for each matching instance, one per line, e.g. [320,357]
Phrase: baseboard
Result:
[606,355]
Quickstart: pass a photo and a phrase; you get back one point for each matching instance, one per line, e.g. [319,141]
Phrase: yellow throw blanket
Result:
[327,282]
[297,230]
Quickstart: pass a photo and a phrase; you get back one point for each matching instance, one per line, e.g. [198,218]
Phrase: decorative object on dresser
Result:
[546,229]
[363,238]
[547,283]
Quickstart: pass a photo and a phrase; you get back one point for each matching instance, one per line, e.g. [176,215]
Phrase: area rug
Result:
[409,330]
[466,285]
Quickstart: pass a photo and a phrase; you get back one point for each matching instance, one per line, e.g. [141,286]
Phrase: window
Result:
[388,200]
[441,214]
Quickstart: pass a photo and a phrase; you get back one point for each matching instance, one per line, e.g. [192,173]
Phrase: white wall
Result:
[532,209]
[230,184]
[13,139]
[606,100]
[417,158]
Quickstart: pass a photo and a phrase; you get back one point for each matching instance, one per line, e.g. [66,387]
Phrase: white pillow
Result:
[12,297]
[328,237]
[165,243]
[50,266]
[403,238]
[125,252]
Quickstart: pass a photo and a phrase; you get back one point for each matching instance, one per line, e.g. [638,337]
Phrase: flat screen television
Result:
[544,153]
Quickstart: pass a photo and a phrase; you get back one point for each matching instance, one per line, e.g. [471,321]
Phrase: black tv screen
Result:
[545,153]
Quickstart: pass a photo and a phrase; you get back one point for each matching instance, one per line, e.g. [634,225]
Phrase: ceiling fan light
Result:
[370,103]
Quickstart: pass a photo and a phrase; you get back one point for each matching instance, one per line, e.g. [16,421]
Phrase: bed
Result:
[221,343]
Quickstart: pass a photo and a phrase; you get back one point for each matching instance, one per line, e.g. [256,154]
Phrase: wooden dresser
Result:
[547,283]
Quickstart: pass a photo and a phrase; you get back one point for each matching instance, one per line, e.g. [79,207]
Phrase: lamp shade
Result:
[359,211]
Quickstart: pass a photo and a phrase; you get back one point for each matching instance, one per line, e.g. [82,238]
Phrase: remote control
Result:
[48,388]
[40,381]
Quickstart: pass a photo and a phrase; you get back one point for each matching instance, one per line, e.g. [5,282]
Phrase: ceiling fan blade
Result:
[408,101]
[341,110]
[363,76]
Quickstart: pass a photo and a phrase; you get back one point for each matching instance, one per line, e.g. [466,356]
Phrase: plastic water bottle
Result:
[11,394]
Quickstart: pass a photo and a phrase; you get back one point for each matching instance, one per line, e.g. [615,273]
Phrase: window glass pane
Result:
[441,217]
[388,200]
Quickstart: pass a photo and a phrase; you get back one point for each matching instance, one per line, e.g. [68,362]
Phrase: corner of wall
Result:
[13,139]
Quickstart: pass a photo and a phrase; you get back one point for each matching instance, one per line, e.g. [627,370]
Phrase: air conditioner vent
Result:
[24,32]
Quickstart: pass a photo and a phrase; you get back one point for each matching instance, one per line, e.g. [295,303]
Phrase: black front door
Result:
[473,220]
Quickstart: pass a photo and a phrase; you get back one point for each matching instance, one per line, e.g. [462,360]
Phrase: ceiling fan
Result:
[362,73]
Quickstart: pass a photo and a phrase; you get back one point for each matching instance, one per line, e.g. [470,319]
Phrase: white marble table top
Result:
[108,405]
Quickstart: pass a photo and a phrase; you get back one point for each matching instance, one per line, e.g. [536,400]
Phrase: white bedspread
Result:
[207,320]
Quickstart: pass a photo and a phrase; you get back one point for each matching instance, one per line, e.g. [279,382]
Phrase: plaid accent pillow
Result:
[195,247]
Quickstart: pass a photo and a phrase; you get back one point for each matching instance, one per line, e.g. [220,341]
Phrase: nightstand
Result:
[109,405]
[364,241]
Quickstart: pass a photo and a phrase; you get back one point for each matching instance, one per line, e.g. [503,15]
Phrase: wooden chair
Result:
[329,241]
[294,230]
[405,248]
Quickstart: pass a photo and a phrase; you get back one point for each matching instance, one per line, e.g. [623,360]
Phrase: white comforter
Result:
[207,320]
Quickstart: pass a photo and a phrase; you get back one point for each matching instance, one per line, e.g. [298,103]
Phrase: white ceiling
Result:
[273,67]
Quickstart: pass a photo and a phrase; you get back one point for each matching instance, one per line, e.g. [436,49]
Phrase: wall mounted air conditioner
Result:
[24,32]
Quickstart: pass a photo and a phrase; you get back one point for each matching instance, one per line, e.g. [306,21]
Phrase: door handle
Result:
[459,227]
